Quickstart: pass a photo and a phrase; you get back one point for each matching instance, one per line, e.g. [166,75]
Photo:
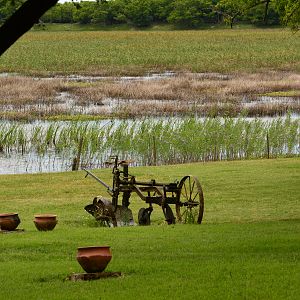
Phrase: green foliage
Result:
[291,9]
[229,10]
[7,8]
[161,10]
[115,12]
[189,13]
[60,13]
[139,12]
[184,13]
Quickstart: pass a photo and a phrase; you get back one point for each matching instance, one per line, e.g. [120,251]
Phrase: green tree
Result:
[7,8]
[115,12]
[190,13]
[289,12]
[139,12]
[260,15]
[90,12]
[60,13]
[161,10]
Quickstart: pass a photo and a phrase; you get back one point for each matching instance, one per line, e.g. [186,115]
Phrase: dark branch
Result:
[22,20]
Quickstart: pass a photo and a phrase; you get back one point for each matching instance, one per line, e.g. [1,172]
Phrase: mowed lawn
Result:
[246,248]
[140,52]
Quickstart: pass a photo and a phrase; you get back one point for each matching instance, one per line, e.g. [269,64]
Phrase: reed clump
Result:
[155,141]
[20,90]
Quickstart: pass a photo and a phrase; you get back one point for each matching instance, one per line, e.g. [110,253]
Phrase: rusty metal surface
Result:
[186,195]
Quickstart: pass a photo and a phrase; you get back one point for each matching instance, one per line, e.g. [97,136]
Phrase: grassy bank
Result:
[126,52]
[247,246]
[238,191]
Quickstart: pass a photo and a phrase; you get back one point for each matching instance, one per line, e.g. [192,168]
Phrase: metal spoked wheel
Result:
[190,207]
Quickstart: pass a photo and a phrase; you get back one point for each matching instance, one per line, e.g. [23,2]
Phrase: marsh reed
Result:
[155,141]
[180,94]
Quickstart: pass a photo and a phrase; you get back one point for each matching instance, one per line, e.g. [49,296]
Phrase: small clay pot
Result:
[45,222]
[94,259]
[9,221]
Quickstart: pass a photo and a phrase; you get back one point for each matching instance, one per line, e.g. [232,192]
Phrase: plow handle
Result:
[109,189]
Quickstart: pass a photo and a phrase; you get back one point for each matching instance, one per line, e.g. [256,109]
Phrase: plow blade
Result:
[103,211]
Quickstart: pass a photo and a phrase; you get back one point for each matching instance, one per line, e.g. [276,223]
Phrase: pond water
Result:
[14,163]
[152,141]
[49,147]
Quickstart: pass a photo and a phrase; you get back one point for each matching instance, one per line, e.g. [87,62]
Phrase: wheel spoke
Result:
[186,195]
[195,196]
[192,188]
[190,196]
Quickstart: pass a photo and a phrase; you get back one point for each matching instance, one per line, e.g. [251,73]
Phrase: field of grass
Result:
[246,248]
[138,52]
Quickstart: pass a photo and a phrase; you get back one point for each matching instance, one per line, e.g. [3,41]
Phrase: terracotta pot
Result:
[94,259]
[45,222]
[9,221]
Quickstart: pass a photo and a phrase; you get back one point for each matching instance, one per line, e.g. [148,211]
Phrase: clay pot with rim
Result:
[45,222]
[94,259]
[9,221]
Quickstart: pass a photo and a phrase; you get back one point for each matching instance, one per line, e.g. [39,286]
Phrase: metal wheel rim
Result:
[191,194]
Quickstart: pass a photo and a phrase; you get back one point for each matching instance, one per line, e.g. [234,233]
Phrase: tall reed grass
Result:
[155,141]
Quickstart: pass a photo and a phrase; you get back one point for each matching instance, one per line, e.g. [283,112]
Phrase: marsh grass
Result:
[183,94]
[20,91]
[154,141]
[247,246]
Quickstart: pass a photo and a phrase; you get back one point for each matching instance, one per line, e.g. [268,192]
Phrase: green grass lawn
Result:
[246,248]
[139,52]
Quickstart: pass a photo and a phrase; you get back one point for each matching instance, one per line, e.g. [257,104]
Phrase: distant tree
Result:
[230,10]
[189,13]
[260,16]
[7,8]
[289,12]
[115,12]
[84,14]
[139,12]
[60,13]
[162,9]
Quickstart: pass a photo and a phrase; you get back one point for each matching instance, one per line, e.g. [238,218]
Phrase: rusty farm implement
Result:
[186,195]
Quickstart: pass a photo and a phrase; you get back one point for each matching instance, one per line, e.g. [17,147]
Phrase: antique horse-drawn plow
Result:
[186,195]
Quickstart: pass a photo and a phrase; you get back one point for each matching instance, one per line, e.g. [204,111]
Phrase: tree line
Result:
[181,13]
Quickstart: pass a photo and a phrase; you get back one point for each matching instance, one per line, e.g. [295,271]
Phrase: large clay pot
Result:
[9,221]
[94,259]
[45,222]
